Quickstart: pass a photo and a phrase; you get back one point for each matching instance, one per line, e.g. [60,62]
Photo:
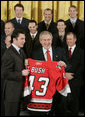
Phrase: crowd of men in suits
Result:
[36,39]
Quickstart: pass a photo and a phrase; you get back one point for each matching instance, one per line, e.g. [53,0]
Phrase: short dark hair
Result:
[48,9]
[16,33]
[32,21]
[19,5]
[61,20]
[74,35]
[73,7]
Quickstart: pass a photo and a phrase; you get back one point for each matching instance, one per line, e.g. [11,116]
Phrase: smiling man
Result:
[47,24]
[56,54]
[76,59]
[75,25]
[20,21]
[32,40]
[59,39]
[13,72]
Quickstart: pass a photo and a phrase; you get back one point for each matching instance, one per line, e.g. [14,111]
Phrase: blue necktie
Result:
[18,21]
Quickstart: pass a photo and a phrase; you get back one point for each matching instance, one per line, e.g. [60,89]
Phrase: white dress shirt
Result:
[16,47]
[33,34]
[72,48]
[73,20]
[20,19]
[47,22]
[45,53]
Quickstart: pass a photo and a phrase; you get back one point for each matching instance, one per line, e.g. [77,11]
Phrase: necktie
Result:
[32,36]
[70,53]
[73,24]
[61,37]
[48,56]
[47,26]
[21,53]
[18,21]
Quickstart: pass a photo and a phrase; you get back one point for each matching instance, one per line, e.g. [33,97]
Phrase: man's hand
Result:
[69,75]
[61,63]
[25,72]
[26,62]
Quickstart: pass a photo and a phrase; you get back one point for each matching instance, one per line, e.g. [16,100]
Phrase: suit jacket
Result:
[3,40]
[23,25]
[58,54]
[12,65]
[52,28]
[2,27]
[31,44]
[3,49]
[57,42]
[77,63]
[78,30]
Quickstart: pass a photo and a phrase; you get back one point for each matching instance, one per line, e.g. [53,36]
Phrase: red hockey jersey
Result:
[44,79]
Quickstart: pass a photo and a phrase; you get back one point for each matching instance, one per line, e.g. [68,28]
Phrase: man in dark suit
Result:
[57,54]
[76,26]
[59,39]
[19,21]
[13,72]
[8,29]
[7,44]
[32,39]
[48,23]
[3,49]
[76,59]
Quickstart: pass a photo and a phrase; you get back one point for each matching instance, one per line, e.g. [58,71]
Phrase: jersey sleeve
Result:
[27,90]
[62,85]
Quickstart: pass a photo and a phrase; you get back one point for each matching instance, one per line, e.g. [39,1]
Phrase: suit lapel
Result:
[42,55]
[44,25]
[74,52]
[22,21]
[15,51]
[15,20]
[54,54]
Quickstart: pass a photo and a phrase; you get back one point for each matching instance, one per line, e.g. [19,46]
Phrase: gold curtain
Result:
[34,9]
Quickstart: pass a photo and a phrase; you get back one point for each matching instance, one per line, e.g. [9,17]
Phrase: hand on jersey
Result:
[69,76]
[61,63]
[25,72]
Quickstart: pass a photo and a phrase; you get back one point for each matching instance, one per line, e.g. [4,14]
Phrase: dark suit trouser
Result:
[37,113]
[72,102]
[12,108]
[2,98]
[58,105]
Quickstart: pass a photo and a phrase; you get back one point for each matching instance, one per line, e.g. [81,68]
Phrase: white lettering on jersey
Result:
[38,70]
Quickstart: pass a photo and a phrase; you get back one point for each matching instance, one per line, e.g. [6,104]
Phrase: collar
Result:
[47,22]
[45,50]
[62,33]
[16,47]
[73,20]
[19,18]
[72,48]
[33,34]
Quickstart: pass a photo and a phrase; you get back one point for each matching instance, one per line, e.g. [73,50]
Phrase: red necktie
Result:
[70,53]
[48,56]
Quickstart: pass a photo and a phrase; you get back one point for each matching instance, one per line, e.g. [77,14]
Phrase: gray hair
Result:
[45,33]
